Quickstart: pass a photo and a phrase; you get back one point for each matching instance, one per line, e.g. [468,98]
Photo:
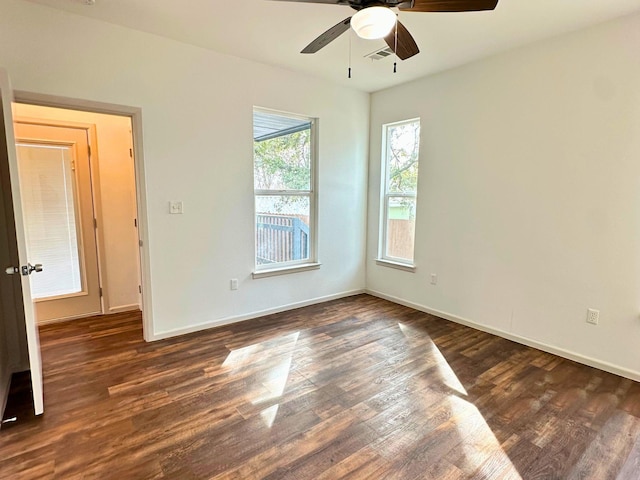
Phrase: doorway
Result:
[58,209]
[77,172]
[19,342]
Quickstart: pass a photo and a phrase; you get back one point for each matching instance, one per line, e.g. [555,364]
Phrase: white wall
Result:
[117,199]
[197,127]
[529,193]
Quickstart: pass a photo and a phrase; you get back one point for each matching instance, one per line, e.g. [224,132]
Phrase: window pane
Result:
[47,184]
[284,162]
[403,143]
[282,228]
[401,227]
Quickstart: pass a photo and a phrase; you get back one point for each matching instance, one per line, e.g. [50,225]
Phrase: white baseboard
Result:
[120,309]
[66,319]
[124,308]
[248,316]
[592,362]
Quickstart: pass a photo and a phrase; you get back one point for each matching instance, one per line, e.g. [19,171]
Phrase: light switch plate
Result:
[176,208]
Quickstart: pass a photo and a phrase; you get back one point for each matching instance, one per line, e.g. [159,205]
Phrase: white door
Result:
[58,214]
[7,145]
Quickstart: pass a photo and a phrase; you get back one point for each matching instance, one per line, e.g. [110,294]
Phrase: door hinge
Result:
[73,165]
[95,223]
[89,149]
[135,222]
[131,152]
[140,288]
[100,291]
[139,243]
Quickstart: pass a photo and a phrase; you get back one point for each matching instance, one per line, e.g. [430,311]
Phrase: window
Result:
[284,189]
[399,191]
[49,192]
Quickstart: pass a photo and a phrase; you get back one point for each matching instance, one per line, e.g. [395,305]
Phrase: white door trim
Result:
[89,185]
[141,191]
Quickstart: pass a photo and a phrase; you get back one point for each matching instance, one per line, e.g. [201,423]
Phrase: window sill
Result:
[397,265]
[286,270]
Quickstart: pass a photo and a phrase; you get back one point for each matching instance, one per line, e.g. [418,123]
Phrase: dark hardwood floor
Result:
[356,388]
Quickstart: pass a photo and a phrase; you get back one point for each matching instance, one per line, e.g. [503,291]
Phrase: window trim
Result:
[398,266]
[311,263]
[273,272]
[383,259]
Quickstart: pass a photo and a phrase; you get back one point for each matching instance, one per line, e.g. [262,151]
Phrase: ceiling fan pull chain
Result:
[350,37]
[395,50]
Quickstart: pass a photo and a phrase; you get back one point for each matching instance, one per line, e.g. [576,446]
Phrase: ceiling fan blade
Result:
[407,46]
[328,36]
[450,5]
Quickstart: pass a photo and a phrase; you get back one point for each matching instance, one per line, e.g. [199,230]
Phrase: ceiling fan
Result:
[374,19]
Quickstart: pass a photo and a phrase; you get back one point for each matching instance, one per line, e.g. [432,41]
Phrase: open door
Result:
[17,249]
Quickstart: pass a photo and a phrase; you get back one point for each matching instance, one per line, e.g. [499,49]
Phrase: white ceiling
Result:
[274,32]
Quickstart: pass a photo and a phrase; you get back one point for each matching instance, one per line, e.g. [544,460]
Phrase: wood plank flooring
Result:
[357,388]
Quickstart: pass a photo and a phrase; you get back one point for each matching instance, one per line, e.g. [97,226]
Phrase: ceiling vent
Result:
[380,54]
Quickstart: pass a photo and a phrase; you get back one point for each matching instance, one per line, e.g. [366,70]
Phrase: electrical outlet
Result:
[234,284]
[593,316]
[175,208]
[434,279]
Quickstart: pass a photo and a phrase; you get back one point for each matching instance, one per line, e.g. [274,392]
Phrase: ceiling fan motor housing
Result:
[361,4]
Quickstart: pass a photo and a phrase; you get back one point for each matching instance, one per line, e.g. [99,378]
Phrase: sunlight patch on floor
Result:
[268,415]
[271,380]
[449,378]
[482,450]
[252,354]
[276,382]
[239,357]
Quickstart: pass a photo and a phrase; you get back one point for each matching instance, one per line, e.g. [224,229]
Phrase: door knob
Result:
[28,269]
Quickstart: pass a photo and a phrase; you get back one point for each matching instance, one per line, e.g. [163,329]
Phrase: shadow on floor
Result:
[19,407]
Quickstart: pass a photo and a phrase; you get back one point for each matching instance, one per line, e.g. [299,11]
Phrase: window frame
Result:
[385,195]
[292,266]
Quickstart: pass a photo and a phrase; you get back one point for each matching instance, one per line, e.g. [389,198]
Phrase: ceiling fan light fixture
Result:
[373,23]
